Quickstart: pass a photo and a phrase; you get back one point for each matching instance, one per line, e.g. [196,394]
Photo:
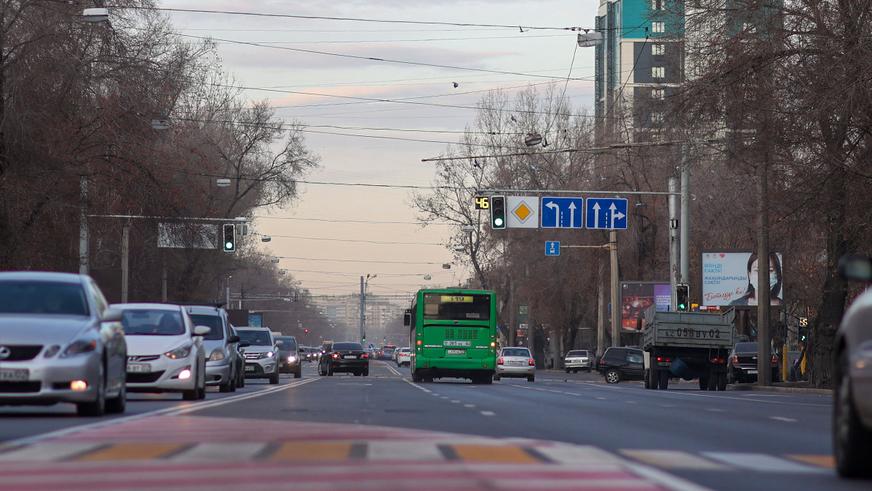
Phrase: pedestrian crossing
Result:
[193,452]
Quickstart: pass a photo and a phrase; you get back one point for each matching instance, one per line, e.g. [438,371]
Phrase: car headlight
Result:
[79,347]
[292,359]
[180,352]
[270,354]
[217,355]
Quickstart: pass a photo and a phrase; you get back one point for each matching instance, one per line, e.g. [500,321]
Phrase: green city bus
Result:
[453,333]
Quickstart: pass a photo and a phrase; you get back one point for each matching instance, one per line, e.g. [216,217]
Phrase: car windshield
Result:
[42,297]
[347,347]
[746,347]
[516,352]
[145,322]
[577,353]
[286,343]
[255,338]
[213,322]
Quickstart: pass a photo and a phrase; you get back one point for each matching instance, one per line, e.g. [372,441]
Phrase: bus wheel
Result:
[416,377]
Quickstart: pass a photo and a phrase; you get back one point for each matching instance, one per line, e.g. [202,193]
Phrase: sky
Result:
[333,267]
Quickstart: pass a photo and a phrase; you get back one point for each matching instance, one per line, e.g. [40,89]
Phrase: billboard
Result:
[730,279]
[638,296]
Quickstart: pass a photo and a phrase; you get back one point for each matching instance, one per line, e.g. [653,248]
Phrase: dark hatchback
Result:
[619,364]
[742,365]
[345,357]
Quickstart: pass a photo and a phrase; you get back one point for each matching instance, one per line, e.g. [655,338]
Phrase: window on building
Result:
[658,49]
[658,72]
[659,94]
[658,26]
[656,118]
[657,4]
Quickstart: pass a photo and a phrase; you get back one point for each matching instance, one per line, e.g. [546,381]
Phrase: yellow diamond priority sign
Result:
[523,211]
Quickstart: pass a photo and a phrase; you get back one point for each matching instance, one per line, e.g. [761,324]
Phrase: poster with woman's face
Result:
[731,278]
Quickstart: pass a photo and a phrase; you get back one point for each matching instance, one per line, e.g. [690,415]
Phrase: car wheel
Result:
[852,443]
[98,406]
[497,378]
[531,378]
[201,393]
[722,381]
[227,387]
[298,373]
[568,370]
[274,378]
[612,376]
[118,404]
[663,376]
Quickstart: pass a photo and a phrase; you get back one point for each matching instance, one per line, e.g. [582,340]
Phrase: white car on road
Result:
[577,359]
[164,350]
[516,362]
[404,357]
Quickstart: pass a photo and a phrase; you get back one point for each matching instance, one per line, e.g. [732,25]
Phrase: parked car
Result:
[261,353]
[852,394]
[516,362]
[165,351]
[742,363]
[619,364]
[289,356]
[577,360]
[224,363]
[344,357]
[404,357]
[59,342]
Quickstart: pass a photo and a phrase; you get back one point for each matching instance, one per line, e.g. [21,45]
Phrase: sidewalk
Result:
[790,387]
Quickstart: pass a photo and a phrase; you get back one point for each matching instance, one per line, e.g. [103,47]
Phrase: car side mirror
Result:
[233,339]
[855,268]
[112,315]
[202,330]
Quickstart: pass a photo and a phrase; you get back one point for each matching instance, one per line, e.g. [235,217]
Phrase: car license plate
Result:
[350,357]
[516,363]
[454,352]
[14,374]
[249,368]
[138,368]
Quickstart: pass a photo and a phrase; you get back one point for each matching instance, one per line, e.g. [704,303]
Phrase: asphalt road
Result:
[717,440]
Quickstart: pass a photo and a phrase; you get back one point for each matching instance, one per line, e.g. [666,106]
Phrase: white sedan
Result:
[164,350]
[404,357]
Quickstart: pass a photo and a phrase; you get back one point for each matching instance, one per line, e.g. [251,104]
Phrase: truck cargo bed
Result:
[689,330]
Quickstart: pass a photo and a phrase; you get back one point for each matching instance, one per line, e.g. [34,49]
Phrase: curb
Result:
[777,388]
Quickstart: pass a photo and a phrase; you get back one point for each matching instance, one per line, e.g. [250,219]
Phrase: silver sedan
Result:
[515,362]
[59,342]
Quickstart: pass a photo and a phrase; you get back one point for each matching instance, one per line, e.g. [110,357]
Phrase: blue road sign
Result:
[562,212]
[552,248]
[606,213]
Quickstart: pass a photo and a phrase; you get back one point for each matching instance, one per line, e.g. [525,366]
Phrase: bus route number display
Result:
[482,203]
[455,299]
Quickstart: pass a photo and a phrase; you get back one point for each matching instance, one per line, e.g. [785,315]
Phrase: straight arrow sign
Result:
[606,213]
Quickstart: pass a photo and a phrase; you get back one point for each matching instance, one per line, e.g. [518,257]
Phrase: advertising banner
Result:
[730,279]
[637,297]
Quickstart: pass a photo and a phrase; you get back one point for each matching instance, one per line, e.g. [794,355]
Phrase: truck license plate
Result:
[14,374]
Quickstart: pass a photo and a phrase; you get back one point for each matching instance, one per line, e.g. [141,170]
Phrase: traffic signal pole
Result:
[674,258]
[616,312]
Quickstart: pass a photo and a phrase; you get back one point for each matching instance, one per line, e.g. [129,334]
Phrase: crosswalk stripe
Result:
[406,451]
[490,453]
[760,462]
[48,452]
[825,461]
[132,451]
[672,459]
[317,451]
[572,454]
[223,451]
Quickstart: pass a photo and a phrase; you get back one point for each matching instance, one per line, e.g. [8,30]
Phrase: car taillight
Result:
[774,359]
[335,355]
[718,360]
[531,362]
[364,356]
[500,360]
[663,359]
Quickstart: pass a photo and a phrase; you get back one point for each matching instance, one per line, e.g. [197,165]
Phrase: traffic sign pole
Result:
[616,314]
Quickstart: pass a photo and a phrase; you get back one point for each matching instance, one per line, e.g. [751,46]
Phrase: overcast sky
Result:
[352,159]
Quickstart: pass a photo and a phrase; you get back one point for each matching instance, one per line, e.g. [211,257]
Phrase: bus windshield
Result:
[447,306]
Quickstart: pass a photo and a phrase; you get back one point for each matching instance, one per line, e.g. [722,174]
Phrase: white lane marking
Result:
[487,413]
[762,462]
[782,418]
[413,384]
[714,409]
[632,402]
[392,369]
[221,451]
[185,408]
[685,393]
[455,401]
[45,452]
[600,398]
[416,451]
[578,454]
[672,459]
[469,405]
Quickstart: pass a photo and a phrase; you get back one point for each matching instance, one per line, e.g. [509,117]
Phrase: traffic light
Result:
[306,331]
[682,294]
[498,212]
[229,238]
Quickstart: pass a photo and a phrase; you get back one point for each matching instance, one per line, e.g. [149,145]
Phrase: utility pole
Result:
[83,225]
[362,307]
[163,279]
[125,261]
[600,314]
[616,313]
[227,293]
[685,215]
[674,257]
[512,313]
[764,367]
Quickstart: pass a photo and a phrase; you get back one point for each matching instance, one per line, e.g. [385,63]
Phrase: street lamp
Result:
[265,238]
[222,182]
[95,15]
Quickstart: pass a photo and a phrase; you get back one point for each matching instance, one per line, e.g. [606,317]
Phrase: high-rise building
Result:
[639,65]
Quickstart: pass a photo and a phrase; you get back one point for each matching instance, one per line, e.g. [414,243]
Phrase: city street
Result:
[562,431]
